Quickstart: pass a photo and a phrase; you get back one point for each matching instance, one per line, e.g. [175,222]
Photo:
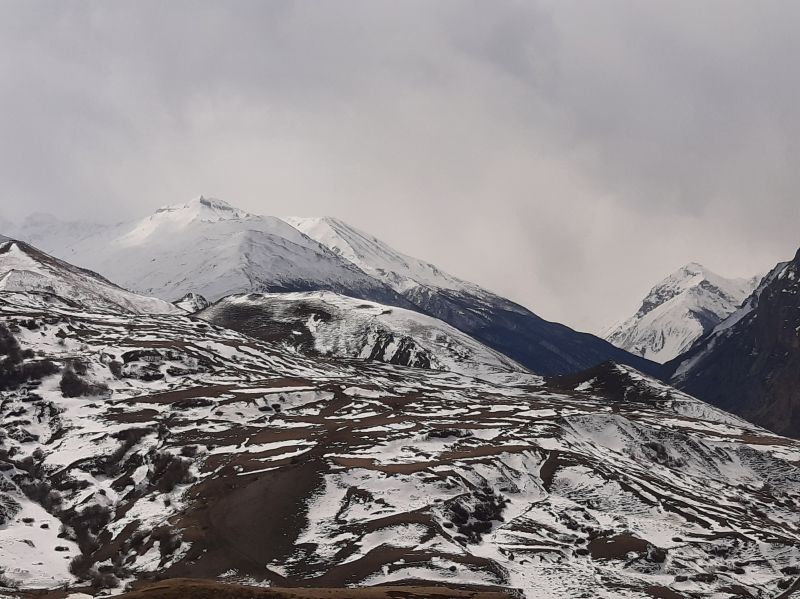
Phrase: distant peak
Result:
[203,208]
[693,269]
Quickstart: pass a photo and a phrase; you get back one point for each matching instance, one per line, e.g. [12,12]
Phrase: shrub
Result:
[104,580]
[170,470]
[6,582]
[115,367]
[79,566]
[168,541]
[13,369]
[73,385]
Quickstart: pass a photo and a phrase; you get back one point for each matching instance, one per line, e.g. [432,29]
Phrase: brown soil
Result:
[207,589]
[616,547]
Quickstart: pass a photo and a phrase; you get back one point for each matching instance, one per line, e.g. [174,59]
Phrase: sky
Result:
[565,154]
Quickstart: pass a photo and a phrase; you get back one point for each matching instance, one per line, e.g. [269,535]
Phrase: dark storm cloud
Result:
[567,154]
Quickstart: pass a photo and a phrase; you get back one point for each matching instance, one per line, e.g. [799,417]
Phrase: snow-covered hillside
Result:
[542,346]
[373,256]
[330,324]
[168,446]
[140,445]
[210,248]
[24,269]
[678,311]
[205,246]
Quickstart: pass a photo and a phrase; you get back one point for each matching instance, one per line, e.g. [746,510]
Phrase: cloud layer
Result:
[567,154]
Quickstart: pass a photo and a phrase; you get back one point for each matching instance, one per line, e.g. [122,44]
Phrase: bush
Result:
[6,582]
[104,580]
[13,369]
[170,470]
[169,541]
[73,385]
[116,368]
[79,566]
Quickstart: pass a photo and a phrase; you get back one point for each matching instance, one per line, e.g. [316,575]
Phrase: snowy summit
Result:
[678,311]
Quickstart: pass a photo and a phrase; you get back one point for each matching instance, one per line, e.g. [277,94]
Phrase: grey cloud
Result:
[567,154]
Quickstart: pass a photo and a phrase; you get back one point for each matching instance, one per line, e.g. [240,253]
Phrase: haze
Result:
[565,154]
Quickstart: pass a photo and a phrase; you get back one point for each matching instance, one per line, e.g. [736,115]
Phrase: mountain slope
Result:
[750,363]
[329,324]
[678,311]
[170,447]
[206,247]
[545,347]
[24,269]
[213,249]
[200,452]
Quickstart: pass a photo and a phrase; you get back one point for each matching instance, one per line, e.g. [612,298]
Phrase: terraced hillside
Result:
[140,445]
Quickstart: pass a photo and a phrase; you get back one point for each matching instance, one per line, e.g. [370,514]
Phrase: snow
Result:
[167,253]
[347,327]
[370,254]
[23,269]
[27,551]
[678,311]
[387,452]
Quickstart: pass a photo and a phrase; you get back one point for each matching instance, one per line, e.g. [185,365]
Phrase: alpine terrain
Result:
[324,323]
[678,311]
[750,363]
[210,248]
[140,445]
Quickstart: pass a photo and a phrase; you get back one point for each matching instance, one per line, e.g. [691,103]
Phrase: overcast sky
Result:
[565,154]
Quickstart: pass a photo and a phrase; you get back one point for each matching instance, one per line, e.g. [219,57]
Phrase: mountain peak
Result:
[694,269]
[202,208]
[678,310]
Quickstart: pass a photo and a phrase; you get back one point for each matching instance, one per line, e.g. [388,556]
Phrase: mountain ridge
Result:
[211,248]
[748,363]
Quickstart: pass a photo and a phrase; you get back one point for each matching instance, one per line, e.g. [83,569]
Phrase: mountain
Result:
[204,246]
[27,270]
[142,446]
[546,348]
[328,324]
[750,363]
[678,311]
[208,247]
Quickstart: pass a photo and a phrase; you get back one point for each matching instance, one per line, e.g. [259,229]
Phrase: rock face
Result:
[678,311]
[750,363]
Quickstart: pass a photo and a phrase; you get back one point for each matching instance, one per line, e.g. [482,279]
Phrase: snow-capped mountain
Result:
[402,273]
[750,363]
[545,347]
[211,248]
[680,310]
[204,246]
[327,324]
[26,270]
[162,445]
